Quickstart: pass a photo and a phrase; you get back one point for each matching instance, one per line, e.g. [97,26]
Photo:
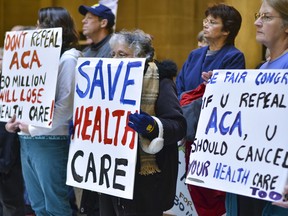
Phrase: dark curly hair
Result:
[230,17]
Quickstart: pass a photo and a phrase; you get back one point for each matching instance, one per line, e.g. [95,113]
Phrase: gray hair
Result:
[138,41]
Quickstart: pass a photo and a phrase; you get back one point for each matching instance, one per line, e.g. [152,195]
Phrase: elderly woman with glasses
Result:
[160,125]
[220,26]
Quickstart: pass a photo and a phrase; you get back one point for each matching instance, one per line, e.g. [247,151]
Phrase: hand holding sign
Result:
[206,75]
[12,126]
[24,128]
[142,123]
[284,203]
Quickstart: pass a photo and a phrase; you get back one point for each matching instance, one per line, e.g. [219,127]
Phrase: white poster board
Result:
[103,149]
[29,75]
[183,203]
[241,141]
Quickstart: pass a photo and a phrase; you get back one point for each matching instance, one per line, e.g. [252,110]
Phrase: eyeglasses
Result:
[264,17]
[209,22]
[120,54]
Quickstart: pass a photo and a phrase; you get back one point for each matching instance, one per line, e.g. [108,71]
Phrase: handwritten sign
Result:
[102,154]
[29,75]
[241,141]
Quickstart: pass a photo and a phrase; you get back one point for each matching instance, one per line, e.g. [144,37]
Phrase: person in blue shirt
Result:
[271,31]
[220,26]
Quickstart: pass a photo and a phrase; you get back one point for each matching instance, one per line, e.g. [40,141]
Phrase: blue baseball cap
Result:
[100,11]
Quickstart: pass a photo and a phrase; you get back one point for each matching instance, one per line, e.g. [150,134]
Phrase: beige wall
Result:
[246,39]
[173,24]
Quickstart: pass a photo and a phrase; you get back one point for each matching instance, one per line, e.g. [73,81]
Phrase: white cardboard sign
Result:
[103,149]
[241,141]
[29,75]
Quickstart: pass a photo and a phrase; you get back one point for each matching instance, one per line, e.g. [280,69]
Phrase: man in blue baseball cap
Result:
[97,26]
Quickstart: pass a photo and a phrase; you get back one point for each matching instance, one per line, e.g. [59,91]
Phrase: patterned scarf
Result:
[150,92]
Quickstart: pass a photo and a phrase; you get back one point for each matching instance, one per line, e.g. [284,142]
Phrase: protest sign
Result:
[29,75]
[183,203]
[241,140]
[102,155]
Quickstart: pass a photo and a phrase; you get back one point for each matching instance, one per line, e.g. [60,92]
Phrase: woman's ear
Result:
[286,29]
[226,33]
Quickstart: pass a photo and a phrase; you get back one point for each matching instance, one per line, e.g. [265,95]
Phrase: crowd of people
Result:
[34,158]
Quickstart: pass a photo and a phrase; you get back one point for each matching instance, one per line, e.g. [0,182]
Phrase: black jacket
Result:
[156,192]
[9,149]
